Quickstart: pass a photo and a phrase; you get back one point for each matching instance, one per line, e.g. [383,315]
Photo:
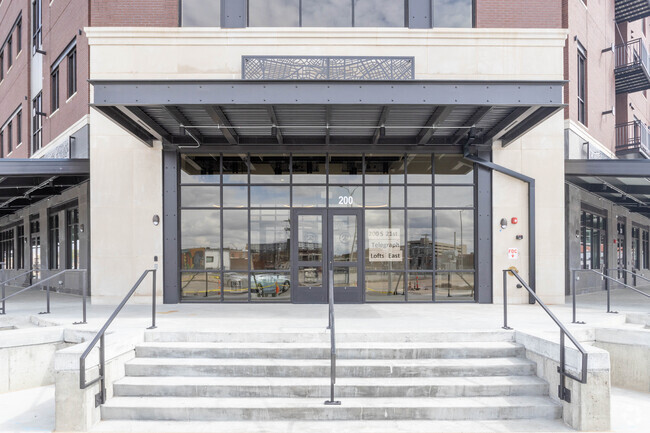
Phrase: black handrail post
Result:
[607,287]
[84,294]
[153,294]
[102,373]
[563,392]
[331,401]
[505,300]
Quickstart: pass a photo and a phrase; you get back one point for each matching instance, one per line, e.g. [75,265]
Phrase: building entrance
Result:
[327,240]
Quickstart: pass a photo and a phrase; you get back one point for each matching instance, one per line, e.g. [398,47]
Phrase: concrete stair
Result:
[278,377]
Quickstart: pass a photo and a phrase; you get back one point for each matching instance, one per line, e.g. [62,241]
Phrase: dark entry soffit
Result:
[625,182]
[326,112]
[24,182]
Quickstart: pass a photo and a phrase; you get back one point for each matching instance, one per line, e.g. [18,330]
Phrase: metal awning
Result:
[24,182]
[238,112]
[624,182]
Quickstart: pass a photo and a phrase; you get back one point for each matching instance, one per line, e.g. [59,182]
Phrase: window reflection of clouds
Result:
[200,229]
[448,222]
[378,13]
[273,13]
[454,196]
[270,196]
[326,13]
[201,13]
[452,13]
[200,196]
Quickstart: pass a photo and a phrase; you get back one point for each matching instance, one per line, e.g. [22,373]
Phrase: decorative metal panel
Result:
[327,68]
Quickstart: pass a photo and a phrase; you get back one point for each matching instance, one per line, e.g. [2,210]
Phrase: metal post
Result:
[563,392]
[3,299]
[84,279]
[102,373]
[153,295]
[505,300]
[331,401]
[574,275]
[47,300]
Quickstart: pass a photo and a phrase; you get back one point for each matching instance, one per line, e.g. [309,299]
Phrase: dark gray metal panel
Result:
[419,14]
[609,167]
[110,93]
[44,167]
[234,13]
[171,293]
[484,231]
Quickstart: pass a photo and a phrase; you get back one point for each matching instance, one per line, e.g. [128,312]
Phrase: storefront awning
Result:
[625,182]
[24,182]
[193,113]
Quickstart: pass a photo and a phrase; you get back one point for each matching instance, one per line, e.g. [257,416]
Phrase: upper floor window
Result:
[582,86]
[2,65]
[19,125]
[2,143]
[72,73]
[19,37]
[10,44]
[54,91]
[330,13]
[37,122]
[37,24]
[10,137]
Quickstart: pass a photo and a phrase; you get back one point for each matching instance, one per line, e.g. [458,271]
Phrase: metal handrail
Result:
[38,283]
[100,398]
[3,286]
[607,280]
[629,272]
[331,327]
[563,392]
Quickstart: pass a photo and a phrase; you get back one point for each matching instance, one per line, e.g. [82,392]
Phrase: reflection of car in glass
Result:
[271,284]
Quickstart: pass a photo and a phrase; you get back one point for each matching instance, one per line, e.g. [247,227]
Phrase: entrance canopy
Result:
[625,182]
[24,182]
[184,113]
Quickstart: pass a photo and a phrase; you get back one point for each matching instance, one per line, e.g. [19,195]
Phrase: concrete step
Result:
[316,335]
[344,350]
[277,409]
[387,426]
[321,367]
[311,387]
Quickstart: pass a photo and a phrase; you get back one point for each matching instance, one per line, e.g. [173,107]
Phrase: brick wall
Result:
[15,85]
[519,13]
[63,21]
[134,13]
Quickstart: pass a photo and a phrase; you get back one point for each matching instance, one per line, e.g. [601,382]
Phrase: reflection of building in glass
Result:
[271,256]
[310,251]
[449,256]
[420,253]
[202,258]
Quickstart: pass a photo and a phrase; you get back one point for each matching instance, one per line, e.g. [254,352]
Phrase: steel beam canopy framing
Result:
[543,94]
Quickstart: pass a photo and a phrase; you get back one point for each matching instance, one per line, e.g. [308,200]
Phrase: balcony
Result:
[632,71]
[632,10]
[632,140]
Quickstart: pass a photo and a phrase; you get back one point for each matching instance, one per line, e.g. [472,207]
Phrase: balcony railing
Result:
[632,67]
[633,138]
[632,10]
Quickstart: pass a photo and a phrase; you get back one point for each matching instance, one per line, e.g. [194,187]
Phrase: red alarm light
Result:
[514,220]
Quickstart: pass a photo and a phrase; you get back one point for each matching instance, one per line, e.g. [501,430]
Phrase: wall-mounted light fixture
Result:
[81,228]
[504,223]
[155,220]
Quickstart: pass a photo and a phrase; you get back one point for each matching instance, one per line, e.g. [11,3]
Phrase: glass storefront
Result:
[263,228]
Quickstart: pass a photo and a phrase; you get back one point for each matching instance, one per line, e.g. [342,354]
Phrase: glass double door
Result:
[327,244]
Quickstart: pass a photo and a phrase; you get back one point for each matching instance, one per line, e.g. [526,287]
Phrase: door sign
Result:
[384,245]
[513,253]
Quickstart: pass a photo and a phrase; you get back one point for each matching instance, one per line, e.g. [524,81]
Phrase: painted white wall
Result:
[126,192]
[126,176]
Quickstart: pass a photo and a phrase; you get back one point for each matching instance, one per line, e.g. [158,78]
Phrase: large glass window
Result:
[200,13]
[54,242]
[236,223]
[582,85]
[274,13]
[326,13]
[7,249]
[593,241]
[379,13]
[636,247]
[37,123]
[20,247]
[645,257]
[37,23]
[72,218]
[452,13]
[54,90]
[72,72]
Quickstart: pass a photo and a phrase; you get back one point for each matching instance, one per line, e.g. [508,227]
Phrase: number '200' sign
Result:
[346,200]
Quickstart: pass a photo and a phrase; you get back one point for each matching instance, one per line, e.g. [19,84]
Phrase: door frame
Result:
[327,215]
